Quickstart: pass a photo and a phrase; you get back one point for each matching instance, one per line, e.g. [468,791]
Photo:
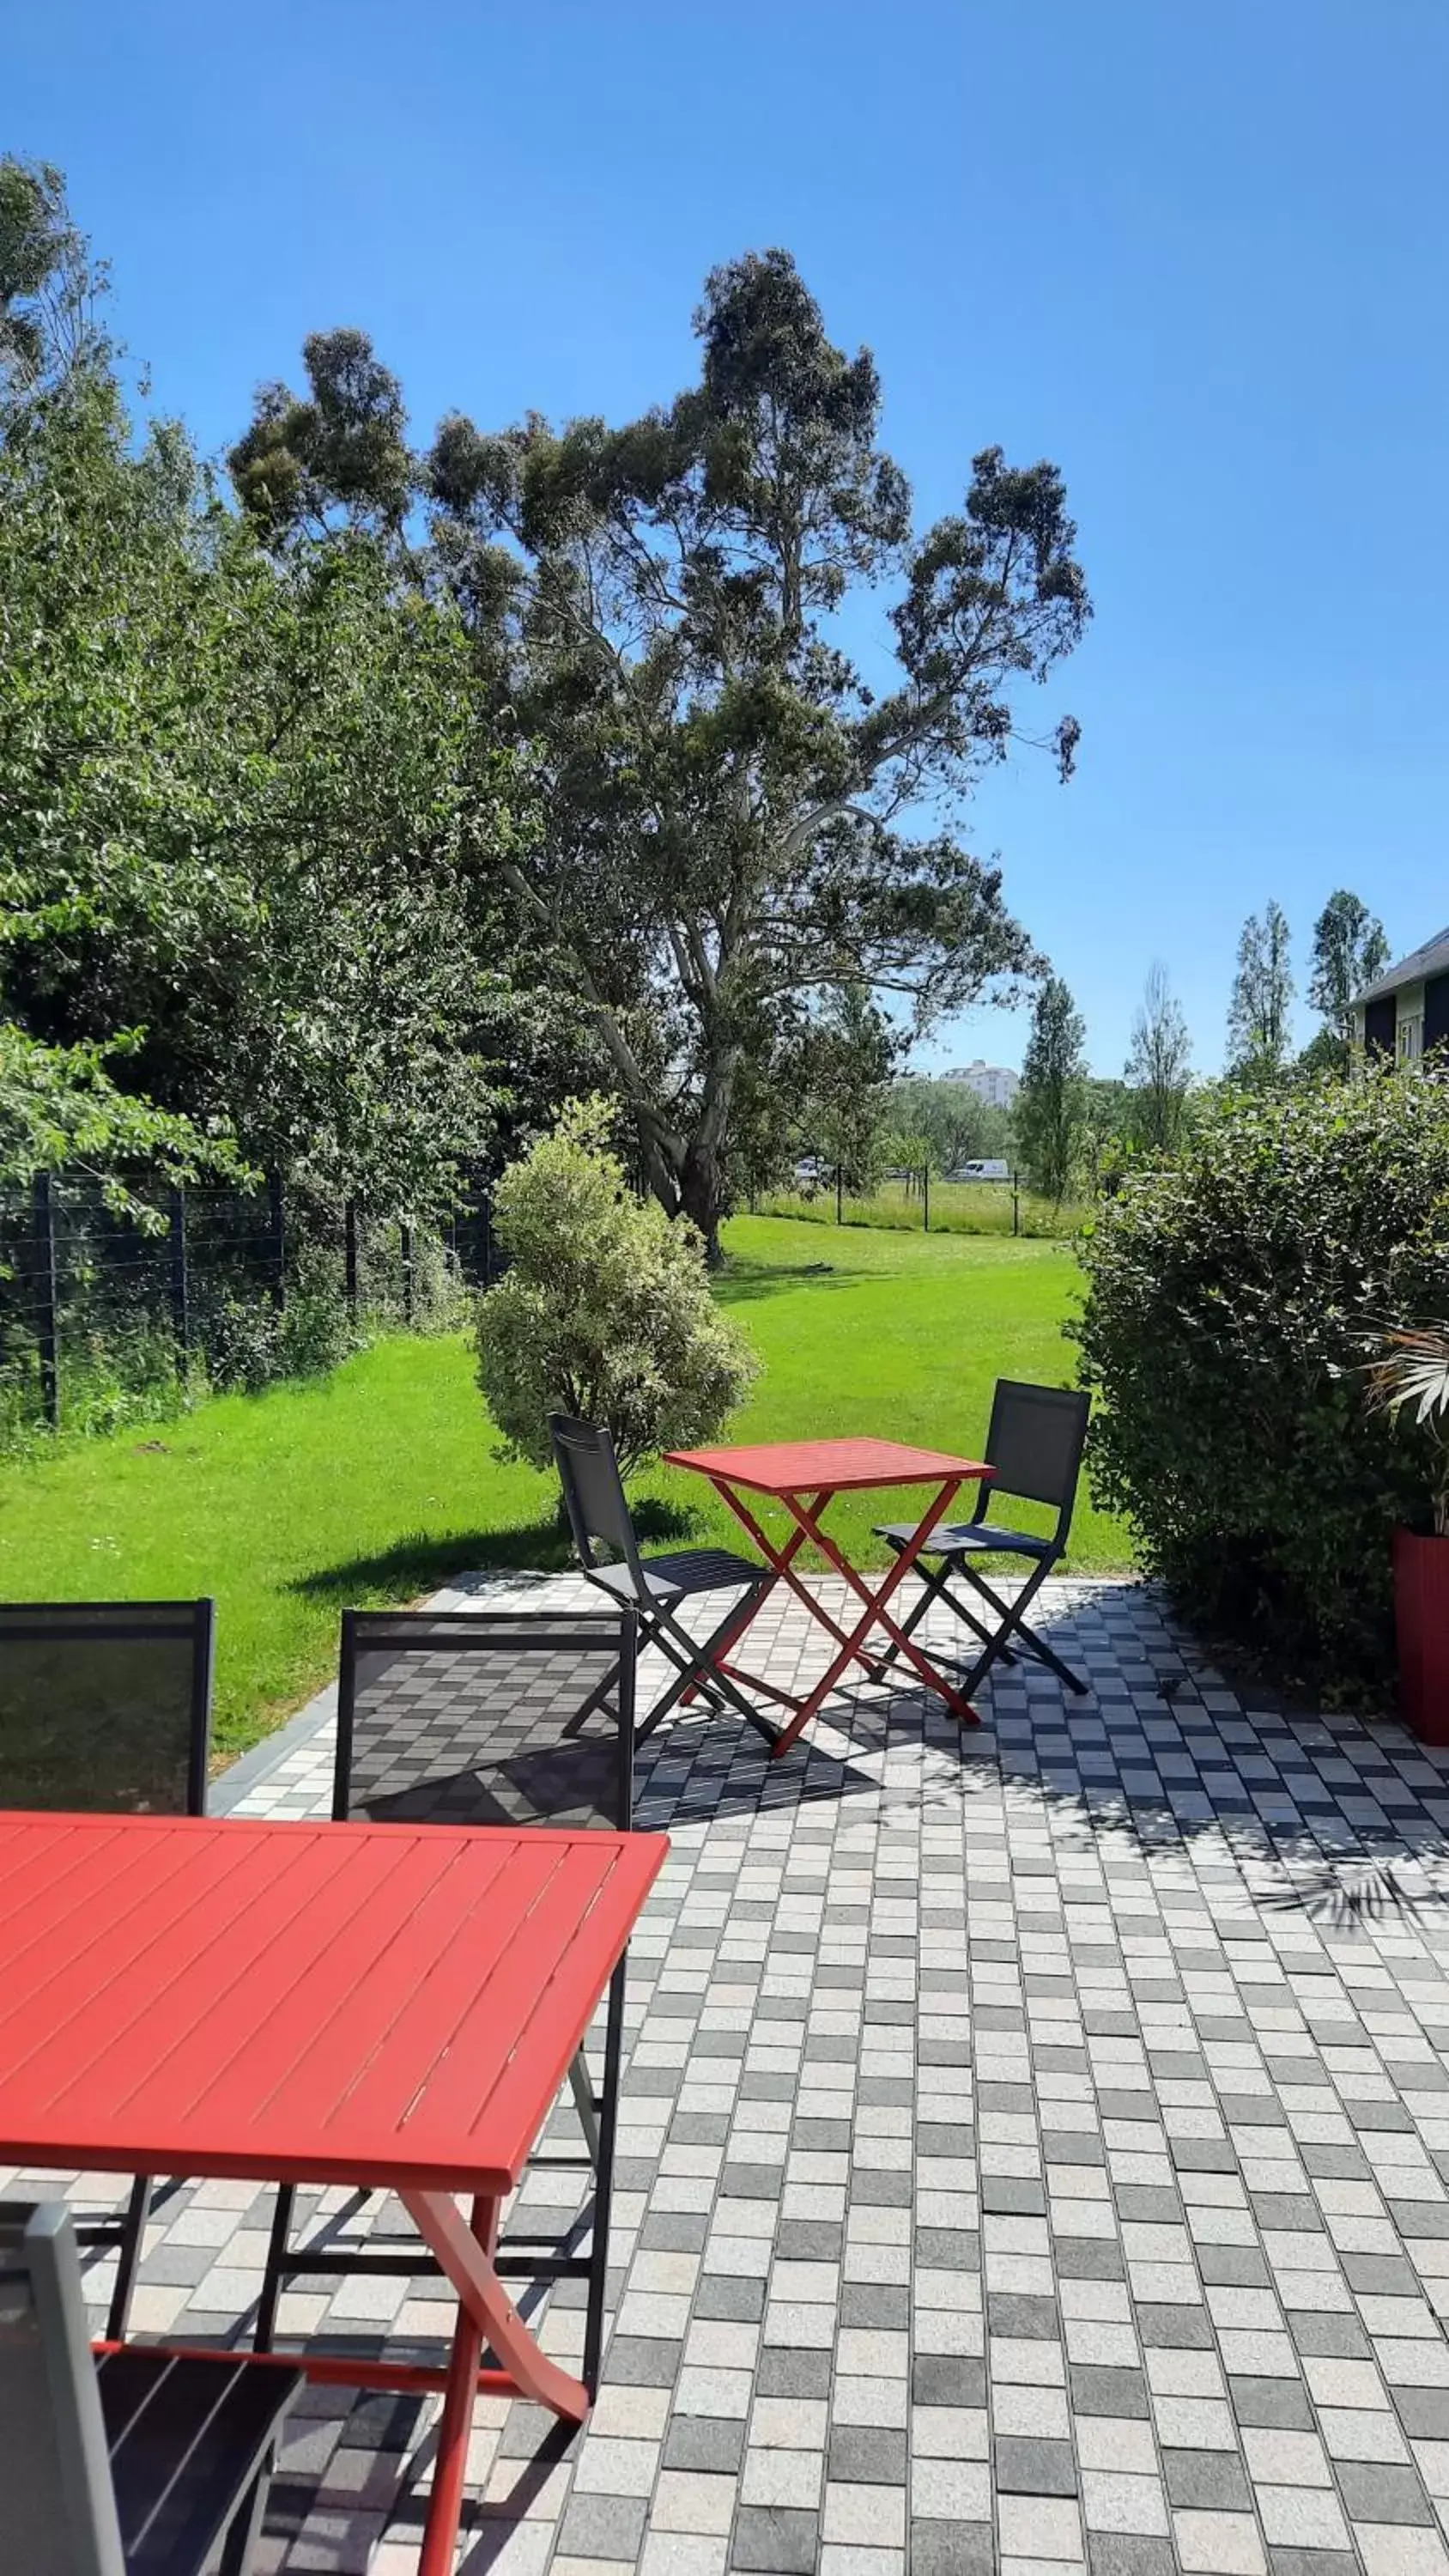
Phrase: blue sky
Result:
[1195,255]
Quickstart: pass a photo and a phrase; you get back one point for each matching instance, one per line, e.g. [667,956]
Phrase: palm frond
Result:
[1412,1369]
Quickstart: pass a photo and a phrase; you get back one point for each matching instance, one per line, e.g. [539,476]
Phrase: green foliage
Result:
[957,1126]
[245,815]
[60,1109]
[1051,1106]
[1159,1067]
[47,283]
[1262,1000]
[606,1311]
[658,608]
[1233,1299]
[1349,951]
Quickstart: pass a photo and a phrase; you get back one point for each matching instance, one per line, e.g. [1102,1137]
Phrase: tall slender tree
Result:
[1159,1067]
[1349,950]
[1262,999]
[1051,1106]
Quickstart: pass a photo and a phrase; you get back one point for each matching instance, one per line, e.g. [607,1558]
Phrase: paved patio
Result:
[1033,2155]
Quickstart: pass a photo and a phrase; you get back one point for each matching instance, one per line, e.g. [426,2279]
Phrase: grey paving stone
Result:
[1102,2388]
[947,2379]
[775,2540]
[1129,2553]
[603,2526]
[1375,2491]
[786,2371]
[1029,2465]
[867,2455]
[952,2549]
[1282,2403]
[1208,2481]
[714,2445]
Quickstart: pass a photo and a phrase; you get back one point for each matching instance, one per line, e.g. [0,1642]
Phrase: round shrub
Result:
[605,1311]
[1234,1298]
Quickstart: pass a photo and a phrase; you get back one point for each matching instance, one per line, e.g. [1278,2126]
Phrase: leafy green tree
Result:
[48,283]
[1262,1000]
[958,1125]
[1051,1106]
[1349,951]
[336,455]
[659,608]
[248,815]
[61,1110]
[1159,1067]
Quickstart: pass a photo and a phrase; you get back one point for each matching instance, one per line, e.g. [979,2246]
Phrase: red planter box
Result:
[1421,1608]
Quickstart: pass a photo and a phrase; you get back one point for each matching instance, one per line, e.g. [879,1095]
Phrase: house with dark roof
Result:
[1406,1011]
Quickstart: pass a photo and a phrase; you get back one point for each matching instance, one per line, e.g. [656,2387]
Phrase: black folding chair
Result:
[487,1718]
[655,1586]
[105,1706]
[139,2464]
[1035,1445]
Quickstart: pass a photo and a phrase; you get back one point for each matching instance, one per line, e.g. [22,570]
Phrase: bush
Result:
[606,1310]
[1234,1298]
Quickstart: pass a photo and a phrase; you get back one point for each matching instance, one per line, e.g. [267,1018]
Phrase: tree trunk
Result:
[701,1198]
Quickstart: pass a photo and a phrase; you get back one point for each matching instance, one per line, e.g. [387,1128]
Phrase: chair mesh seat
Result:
[688,1570]
[971,1538]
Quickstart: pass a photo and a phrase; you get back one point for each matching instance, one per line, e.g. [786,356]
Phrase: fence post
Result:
[925,1198]
[278,1222]
[349,1258]
[47,1298]
[840,1194]
[405,1248]
[180,1297]
[1016,1202]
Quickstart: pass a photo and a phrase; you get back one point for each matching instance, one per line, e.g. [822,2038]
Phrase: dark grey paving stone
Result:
[1204,2155]
[1420,2217]
[810,2240]
[713,2444]
[947,2379]
[602,2526]
[1424,2413]
[1380,2276]
[752,2182]
[644,2361]
[776,2540]
[1313,2562]
[947,2249]
[1152,2201]
[875,2303]
[1129,2553]
[1072,2147]
[867,2454]
[785,2371]
[1009,2195]
[1029,2465]
[881,2190]
[1239,2267]
[1210,2481]
[1295,2209]
[1023,2313]
[952,2549]
[1101,2388]
[1088,2258]
[729,2296]
[1281,2403]
[1374,2491]
[1166,2325]
[664,2232]
[1326,2336]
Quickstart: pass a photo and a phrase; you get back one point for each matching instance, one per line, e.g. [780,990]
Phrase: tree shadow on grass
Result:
[742,1285]
[421,1563]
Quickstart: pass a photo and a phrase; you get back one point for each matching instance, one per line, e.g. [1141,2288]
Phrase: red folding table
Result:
[354,2004]
[806,1476]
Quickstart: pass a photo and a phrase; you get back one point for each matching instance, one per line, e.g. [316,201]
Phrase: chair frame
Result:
[116,1623]
[1012,1629]
[694,1661]
[597,2108]
[46,2240]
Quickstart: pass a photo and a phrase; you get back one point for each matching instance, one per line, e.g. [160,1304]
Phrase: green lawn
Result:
[379,1482]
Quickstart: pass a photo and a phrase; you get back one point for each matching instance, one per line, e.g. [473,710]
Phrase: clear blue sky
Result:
[1197,255]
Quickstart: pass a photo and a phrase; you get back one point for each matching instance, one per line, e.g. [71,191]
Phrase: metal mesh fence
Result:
[104,1315]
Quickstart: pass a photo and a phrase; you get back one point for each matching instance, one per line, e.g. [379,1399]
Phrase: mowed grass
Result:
[380,1482]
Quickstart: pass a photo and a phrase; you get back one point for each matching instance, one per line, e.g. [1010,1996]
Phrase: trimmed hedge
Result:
[1232,1299]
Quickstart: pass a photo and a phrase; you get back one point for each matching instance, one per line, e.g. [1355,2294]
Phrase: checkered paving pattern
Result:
[1034,2155]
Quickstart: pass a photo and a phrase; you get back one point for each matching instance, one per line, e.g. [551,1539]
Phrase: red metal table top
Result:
[831,1466]
[293,2002]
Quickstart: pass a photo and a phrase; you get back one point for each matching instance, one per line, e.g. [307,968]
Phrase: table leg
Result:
[485,2312]
[782,1559]
[875,1616]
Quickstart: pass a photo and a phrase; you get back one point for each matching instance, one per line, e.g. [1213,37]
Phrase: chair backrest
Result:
[486,1718]
[593,1491]
[1035,1444]
[57,2503]
[106,1705]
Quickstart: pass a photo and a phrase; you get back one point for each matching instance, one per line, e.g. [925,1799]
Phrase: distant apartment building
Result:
[1406,1011]
[994,1083]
